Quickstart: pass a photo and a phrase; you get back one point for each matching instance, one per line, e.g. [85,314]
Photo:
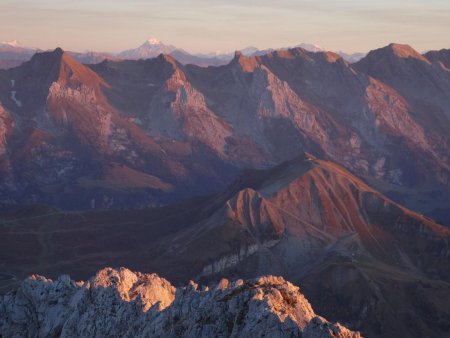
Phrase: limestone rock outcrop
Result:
[119,302]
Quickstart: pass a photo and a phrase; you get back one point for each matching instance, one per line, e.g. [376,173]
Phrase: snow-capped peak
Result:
[149,49]
[13,43]
[153,41]
[310,47]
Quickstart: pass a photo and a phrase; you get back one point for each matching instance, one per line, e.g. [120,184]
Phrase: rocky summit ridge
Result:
[119,302]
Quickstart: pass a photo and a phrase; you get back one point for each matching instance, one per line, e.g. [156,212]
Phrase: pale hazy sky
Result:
[209,25]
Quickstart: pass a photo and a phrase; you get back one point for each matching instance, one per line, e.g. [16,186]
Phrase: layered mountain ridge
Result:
[203,125]
[12,54]
[64,102]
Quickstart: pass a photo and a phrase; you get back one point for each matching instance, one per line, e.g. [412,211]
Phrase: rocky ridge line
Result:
[119,302]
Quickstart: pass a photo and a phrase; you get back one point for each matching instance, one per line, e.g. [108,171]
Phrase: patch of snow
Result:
[151,84]
[64,118]
[395,176]
[13,83]
[153,41]
[310,47]
[13,97]
[13,43]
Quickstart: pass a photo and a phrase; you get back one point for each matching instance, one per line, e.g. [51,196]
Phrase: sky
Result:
[226,25]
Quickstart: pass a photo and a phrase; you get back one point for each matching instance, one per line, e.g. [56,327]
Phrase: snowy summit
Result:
[153,41]
[13,43]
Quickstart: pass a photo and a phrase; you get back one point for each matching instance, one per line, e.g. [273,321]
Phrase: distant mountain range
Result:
[13,54]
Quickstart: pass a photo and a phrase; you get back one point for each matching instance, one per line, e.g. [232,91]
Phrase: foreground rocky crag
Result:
[129,304]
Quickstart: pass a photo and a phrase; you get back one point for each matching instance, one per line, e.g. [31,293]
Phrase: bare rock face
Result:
[131,304]
[6,124]
[319,327]
[439,56]
[180,112]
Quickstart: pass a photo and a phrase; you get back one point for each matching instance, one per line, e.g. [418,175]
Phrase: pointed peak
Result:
[64,56]
[167,58]
[58,51]
[247,63]
[47,57]
[151,48]
[441,56]
[67,68]
[238,54]
[403,50]
[398,50]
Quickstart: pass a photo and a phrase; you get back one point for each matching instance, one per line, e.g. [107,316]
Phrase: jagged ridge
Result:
[131,304]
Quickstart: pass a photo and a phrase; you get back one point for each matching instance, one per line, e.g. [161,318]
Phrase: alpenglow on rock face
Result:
[122,303]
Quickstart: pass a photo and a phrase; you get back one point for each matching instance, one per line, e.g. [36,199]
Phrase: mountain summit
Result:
[13,43]
[149,49]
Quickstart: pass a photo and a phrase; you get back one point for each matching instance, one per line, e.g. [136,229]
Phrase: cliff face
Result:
[64,131]
[131,304]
